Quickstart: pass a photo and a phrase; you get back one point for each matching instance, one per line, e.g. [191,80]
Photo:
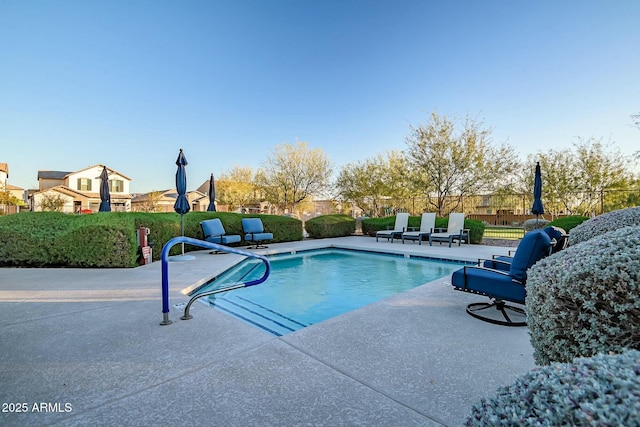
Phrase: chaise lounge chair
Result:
[455,231]
[254,232]
[502,285]
[427,225]
[402,220]
[214,232]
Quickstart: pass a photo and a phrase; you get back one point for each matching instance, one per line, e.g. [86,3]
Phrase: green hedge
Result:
[325,226]
[372,225]
[45,239]
[52,239]
[568,222]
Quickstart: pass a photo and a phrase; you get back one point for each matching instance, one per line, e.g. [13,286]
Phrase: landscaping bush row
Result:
[52,239]
[372,225]
[55,239]
[326,226]
[567,223]
[604,223]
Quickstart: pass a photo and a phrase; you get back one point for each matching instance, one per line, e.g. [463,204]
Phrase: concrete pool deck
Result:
[84,347]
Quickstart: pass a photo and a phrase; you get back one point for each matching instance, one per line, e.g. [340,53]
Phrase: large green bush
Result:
[604,223]
[325,226]
[40,239]
[568,222]
[586,299]
[603,390]
[372,225]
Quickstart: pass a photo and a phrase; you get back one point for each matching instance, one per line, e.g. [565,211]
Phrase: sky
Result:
[128,83]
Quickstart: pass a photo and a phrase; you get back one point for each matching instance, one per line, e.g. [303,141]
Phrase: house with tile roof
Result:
[79,191]
[164,200]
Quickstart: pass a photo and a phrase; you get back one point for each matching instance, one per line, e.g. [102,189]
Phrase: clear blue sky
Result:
[127,83]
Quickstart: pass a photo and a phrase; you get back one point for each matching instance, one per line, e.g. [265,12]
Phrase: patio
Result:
[88,344]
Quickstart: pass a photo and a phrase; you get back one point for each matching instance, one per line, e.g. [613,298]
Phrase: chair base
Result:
[258,246]
[502,307]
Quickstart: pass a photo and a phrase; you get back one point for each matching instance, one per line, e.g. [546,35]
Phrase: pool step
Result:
[255,314]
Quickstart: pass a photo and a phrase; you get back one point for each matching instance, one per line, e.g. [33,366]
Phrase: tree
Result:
[237,188]
[374,182]
[53,202]
[8,199]
[151,201]
[582,180]
[292,174]
[446,163]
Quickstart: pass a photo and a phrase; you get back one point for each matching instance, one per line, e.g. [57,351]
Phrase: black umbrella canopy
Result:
[182,204]
[538,208]
[212,195]
[105,197]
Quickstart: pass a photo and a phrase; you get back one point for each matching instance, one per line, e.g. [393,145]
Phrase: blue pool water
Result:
[312,286]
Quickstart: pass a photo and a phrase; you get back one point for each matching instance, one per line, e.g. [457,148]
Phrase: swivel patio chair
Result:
[214,232]
[503,286]
[427,225]
[254,232]
[402,221]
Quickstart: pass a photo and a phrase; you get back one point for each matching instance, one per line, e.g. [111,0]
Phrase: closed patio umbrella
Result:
[212,195]
[182,203]
[538,208]
[105,197]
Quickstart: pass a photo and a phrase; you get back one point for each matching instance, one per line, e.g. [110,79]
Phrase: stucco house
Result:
[163,201]
[13,191]
[80,191]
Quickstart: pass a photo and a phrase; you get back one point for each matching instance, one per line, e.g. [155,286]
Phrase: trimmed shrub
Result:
[603,390]
[476,230]
[372,225]
[535,224]
[53,239]
[604,223]
[330,226]
[568,222]
[586,299]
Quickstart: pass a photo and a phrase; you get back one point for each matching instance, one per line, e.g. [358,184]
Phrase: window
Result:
[84,184]
[116,185]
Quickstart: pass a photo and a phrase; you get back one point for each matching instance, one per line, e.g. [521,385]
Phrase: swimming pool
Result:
[308,287]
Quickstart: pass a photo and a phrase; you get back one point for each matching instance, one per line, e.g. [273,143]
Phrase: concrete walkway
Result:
[84,347]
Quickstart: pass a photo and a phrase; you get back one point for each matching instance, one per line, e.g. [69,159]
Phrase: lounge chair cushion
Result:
[487,282]
[254,230]
[533,246]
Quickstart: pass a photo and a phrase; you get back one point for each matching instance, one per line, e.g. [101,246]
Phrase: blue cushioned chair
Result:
[254,232]
[503,285]
[213,232]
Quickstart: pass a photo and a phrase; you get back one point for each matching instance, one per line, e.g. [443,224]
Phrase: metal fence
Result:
[499,209]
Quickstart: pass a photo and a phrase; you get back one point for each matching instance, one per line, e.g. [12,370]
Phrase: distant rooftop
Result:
[52,174]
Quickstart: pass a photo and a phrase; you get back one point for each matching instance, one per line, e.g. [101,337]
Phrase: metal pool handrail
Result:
[195,242]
